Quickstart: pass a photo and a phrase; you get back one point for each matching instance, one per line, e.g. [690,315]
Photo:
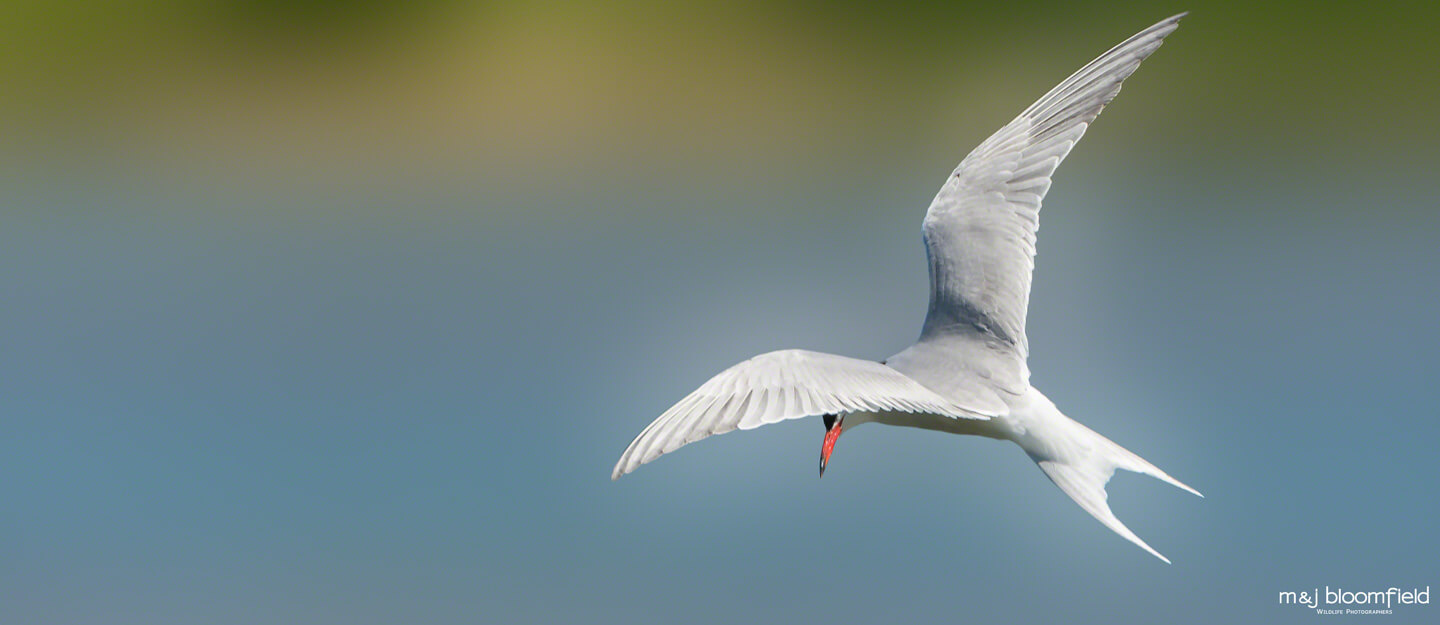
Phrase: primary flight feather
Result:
[967,373]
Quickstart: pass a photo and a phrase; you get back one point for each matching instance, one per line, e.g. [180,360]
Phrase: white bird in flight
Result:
[967,372]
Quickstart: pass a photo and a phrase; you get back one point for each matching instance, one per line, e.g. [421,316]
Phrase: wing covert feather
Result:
[980,230]
[787,384]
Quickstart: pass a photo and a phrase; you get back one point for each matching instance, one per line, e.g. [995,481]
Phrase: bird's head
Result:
[833,426]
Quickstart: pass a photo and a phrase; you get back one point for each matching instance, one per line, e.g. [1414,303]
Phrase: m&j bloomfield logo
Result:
[1341,601]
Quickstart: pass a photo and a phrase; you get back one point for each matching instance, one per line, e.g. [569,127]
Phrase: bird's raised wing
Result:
[980,229]
[782,385]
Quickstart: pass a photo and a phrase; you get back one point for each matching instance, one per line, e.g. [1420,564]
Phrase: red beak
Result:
[831,435]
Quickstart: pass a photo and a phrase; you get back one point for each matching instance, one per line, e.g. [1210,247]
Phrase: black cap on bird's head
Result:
[833,424]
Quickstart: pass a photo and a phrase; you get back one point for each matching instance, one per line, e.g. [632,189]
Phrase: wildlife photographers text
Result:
[1374,601]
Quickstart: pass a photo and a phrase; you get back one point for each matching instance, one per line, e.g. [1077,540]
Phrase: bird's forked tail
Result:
[1083,464]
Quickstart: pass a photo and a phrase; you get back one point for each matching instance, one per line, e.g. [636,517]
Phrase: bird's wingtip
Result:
[1169,24]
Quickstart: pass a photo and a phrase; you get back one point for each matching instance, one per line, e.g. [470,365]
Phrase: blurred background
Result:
[341,312]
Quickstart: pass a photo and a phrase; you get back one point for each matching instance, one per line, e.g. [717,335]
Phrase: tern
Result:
[967,373]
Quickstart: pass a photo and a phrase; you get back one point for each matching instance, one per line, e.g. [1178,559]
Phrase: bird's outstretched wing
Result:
[782,385]
[980,229]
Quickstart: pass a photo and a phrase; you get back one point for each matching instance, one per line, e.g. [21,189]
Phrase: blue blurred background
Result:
[341,312]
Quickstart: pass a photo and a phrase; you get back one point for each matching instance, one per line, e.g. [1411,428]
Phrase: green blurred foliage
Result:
[527,87]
